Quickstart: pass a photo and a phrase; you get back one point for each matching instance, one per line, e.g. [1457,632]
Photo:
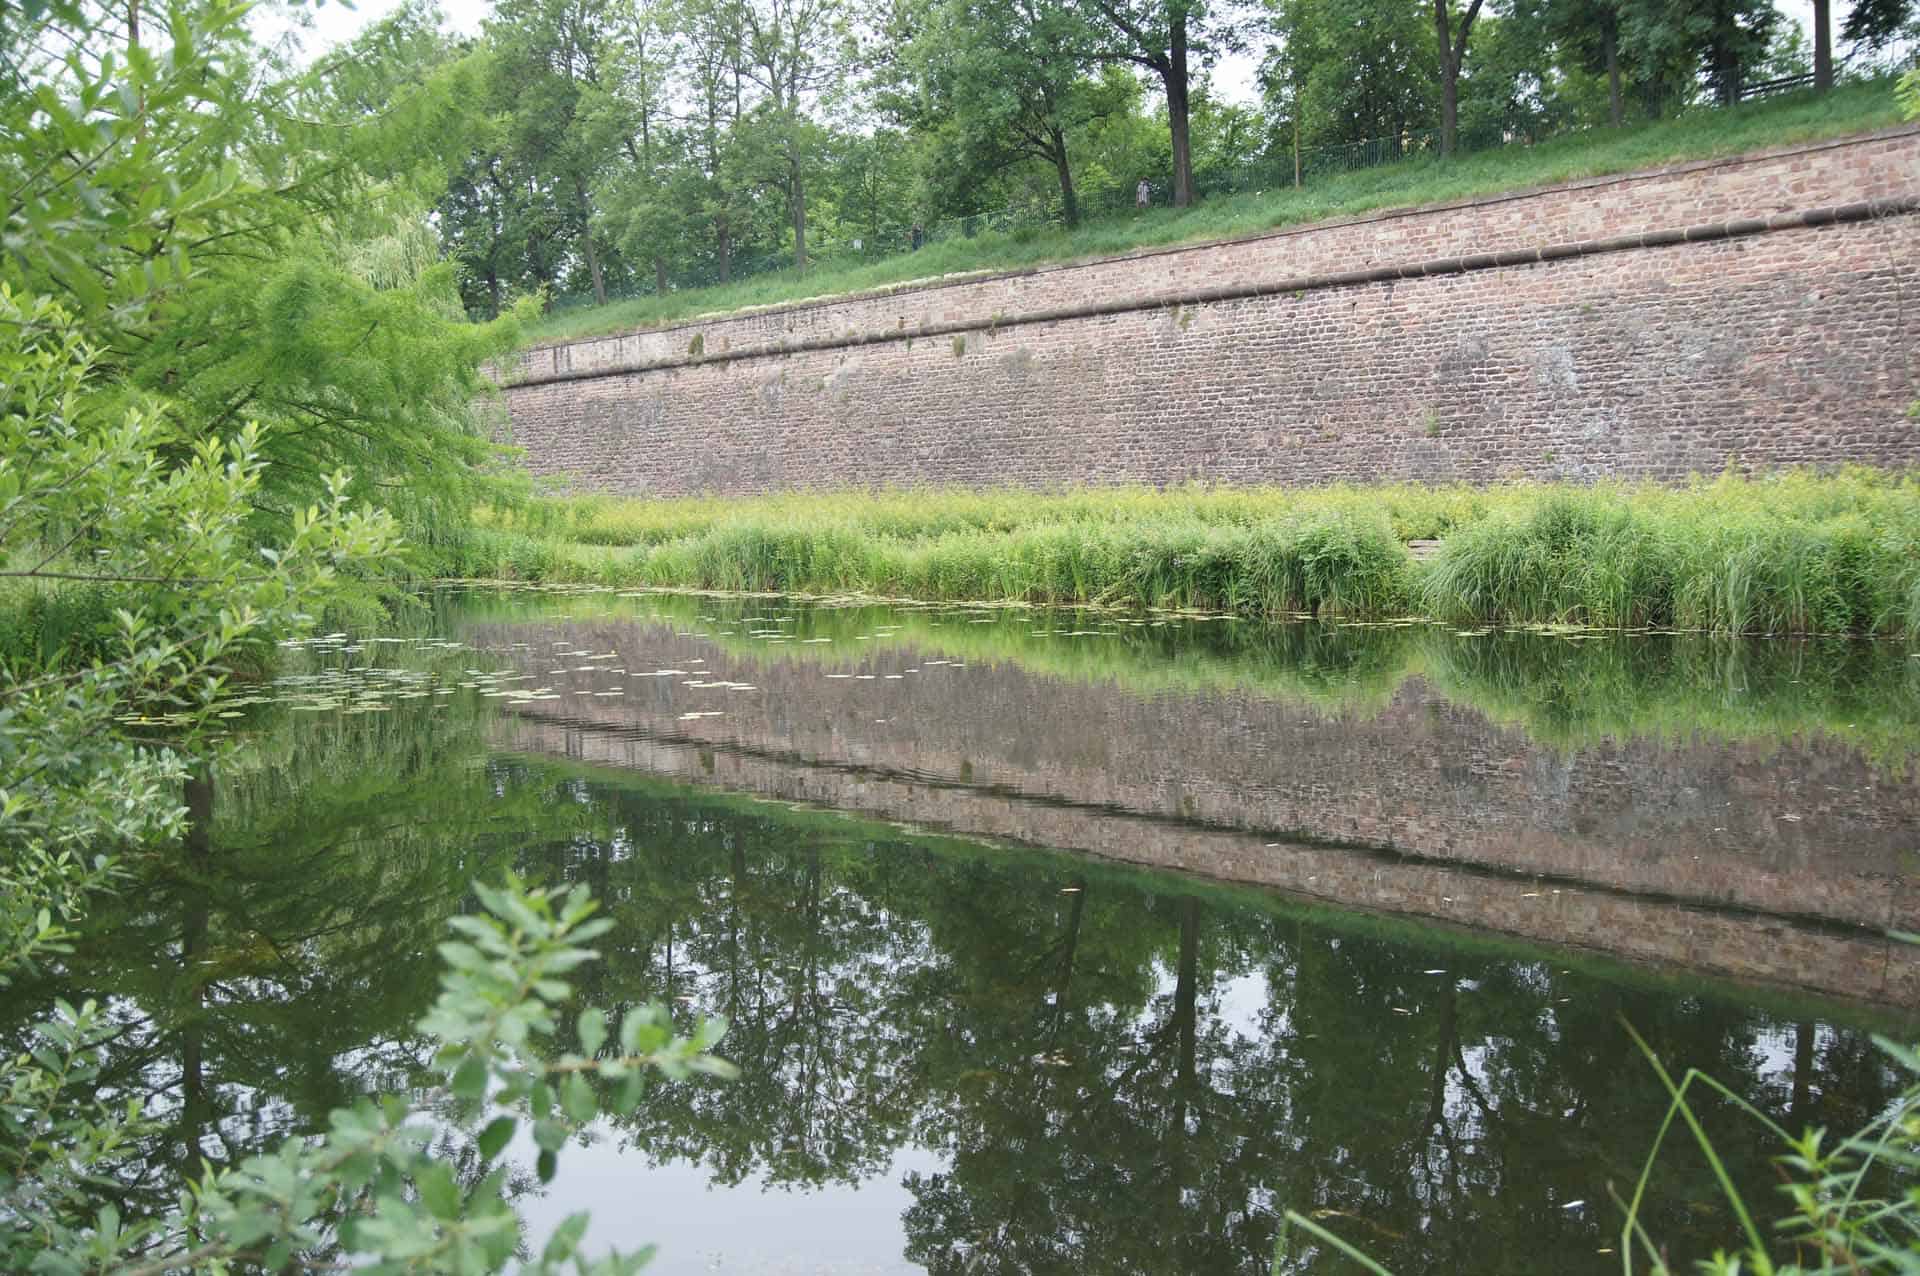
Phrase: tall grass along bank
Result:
[1788,554]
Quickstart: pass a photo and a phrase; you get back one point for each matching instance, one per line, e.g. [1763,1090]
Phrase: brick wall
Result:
[1779,862]
[1772,342]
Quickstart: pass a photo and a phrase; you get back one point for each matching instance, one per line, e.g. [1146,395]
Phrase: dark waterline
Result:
[967,1055]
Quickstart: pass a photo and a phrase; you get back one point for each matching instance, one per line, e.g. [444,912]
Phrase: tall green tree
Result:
[1005,81]
[546,75]
[712,184]
[1719,41]
[795,52]
[1167,39]
[1588,34]
[1874,24]
[634,110]
[1452,27]
[1351,70]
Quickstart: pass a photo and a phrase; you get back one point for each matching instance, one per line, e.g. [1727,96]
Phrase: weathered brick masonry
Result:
[1780,863]
[1758,311]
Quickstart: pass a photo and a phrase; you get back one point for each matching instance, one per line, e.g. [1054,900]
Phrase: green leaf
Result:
[470,1079]
[593,1030]
[630,1092]
[438,1192]
[565,1239]
[576,1099]
[549,1136]
[496,1136]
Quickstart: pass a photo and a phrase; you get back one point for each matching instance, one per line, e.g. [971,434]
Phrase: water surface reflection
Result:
[962,1055]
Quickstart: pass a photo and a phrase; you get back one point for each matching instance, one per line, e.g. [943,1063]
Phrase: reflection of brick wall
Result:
[1862,966]
[1698,822]
[1780,347]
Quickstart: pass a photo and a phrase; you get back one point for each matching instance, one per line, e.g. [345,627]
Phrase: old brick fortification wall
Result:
[1784,863]
[1760,311]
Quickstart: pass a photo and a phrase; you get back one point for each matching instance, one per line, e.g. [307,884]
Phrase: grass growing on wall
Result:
[1795,553]
[1423,179]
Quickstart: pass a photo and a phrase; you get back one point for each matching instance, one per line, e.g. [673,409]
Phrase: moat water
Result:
[1076,942]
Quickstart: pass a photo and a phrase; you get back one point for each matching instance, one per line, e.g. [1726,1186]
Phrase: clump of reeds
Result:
[1329,561]
[45,624]
[1789,554]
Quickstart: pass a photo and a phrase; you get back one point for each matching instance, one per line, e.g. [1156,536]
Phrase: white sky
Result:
[335,22]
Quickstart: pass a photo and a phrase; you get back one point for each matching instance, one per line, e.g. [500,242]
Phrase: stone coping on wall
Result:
[1860,211]
[768,315]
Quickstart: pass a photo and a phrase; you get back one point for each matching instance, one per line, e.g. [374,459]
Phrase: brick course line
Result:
[1840,214]
[894,292]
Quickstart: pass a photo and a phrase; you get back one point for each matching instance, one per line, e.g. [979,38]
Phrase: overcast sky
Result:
[334,22]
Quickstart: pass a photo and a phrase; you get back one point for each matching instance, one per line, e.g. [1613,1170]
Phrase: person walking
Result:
[1142,194]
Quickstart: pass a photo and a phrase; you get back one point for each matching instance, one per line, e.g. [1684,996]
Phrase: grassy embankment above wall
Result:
[1787,554]
[1419,180]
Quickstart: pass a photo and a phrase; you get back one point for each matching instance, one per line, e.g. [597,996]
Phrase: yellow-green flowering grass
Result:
[1793,553]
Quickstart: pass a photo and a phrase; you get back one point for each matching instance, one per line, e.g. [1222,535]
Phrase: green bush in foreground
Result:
[370,1188]
[1793,553]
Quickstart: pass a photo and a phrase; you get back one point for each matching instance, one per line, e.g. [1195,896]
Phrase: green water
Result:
[1427,876]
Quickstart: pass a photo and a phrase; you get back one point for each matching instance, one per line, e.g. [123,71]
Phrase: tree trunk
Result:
[1186,988]
[737,884]
[586,239]
[1069,201]
[541,269]
[1177,112]
[1063,987]
[1453,53]
[195,1101]
[1612,38]
[1726,73]
[1186,992]
[1800,1115]
[1443,1052]
[1822,45]
[799,202]
[1449,78]
[660,275]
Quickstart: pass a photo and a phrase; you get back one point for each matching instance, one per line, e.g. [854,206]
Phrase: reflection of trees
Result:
[737,916]
[295,927]
[1116,1078]
[1122,1081]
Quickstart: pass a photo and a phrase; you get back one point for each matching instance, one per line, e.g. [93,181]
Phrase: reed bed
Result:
[1794,553]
